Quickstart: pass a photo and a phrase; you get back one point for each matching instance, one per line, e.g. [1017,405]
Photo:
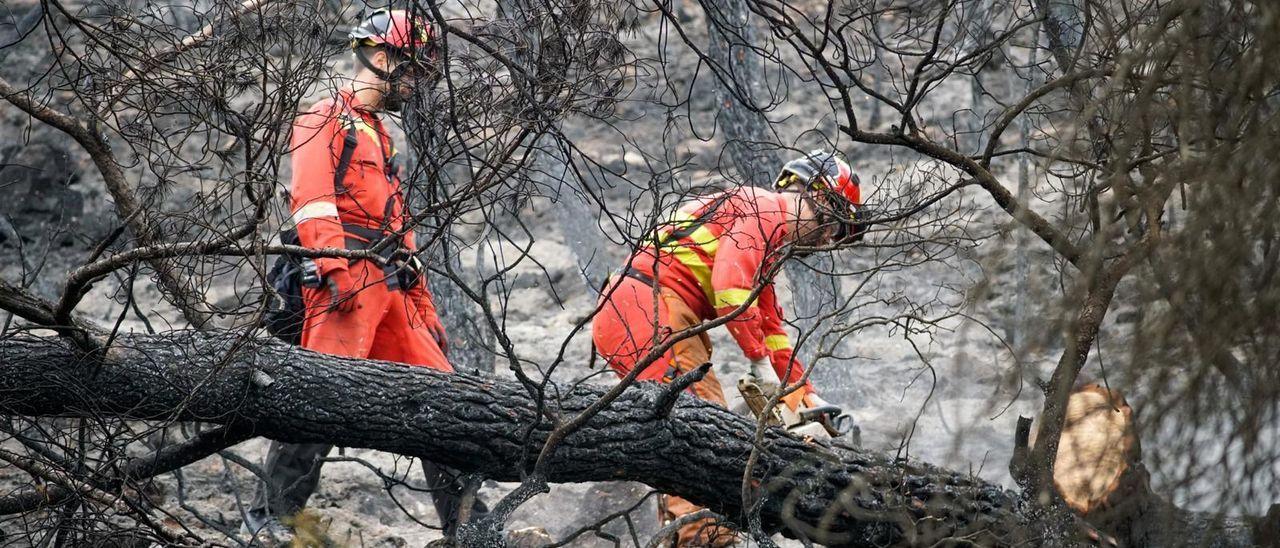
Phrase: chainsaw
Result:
[828,421]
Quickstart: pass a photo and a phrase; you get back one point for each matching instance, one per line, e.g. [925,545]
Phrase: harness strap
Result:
[360,238]
[371,235]
[697,222]
[636,274]
[344,159]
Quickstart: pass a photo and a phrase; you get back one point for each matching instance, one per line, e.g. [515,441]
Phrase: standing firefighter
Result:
[346,194]
[706,264]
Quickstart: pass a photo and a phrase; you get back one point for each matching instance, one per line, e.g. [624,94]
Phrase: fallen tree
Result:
[833,496]
[696,450]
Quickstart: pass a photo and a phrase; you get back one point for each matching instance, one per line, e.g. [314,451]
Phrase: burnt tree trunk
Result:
[832,496]
[471,340]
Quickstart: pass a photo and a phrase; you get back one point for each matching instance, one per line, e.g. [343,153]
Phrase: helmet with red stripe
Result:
[395,29]
[827,172]
[410,41]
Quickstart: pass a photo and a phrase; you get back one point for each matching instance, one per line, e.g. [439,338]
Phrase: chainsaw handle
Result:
[816,413]
[831,417]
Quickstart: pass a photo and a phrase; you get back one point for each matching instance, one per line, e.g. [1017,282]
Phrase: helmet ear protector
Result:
[846,216]
[852,228]
[810,171]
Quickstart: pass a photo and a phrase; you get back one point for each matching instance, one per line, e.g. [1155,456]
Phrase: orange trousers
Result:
[385,324]
[627,327]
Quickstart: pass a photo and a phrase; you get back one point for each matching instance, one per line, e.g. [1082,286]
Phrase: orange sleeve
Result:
[776,341]
[740,257]
[317,143]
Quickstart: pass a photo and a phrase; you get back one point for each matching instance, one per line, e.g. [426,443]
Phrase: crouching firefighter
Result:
[704,264]
[346,194]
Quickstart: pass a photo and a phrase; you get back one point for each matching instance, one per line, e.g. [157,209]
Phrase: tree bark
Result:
[698,451]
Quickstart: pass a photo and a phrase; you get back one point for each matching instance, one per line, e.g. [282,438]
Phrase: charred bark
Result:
[699,451]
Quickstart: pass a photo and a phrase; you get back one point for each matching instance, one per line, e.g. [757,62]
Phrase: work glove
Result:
[756,386]
[764,373]
[426,309]
[759,384]
[437,332]
[412,272]
[342,290]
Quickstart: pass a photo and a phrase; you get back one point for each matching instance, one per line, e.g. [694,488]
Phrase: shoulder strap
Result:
[348,148]
[707,213]
[344,159]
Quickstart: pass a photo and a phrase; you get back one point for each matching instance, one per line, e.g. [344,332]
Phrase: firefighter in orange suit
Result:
[346,194]
[705,264]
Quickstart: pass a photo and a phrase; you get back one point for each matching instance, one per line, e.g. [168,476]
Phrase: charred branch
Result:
[164,460]
[671,392]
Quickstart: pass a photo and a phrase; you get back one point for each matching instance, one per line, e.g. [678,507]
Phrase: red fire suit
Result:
[386,323]
[708,258]
[701,265]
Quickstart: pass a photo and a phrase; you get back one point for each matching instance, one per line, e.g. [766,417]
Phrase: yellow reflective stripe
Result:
[732,297]
[700,269]
[702,237]
[678,221]
[315,210]
[777,342]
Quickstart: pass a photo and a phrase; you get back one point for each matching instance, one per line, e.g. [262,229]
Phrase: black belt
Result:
[360,238]
[628,273]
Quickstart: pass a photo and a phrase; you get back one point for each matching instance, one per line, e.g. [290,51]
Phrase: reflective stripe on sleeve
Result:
[732,297]
[777,342]
[315,210]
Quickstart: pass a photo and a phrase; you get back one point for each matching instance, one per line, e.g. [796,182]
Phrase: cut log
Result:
[1098,473]
[1098,447]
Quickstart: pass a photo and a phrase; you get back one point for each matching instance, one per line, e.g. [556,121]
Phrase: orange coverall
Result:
[386,324]
[701,265]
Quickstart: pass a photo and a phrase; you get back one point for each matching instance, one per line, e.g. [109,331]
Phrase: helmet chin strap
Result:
[364,60]
[391,100]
